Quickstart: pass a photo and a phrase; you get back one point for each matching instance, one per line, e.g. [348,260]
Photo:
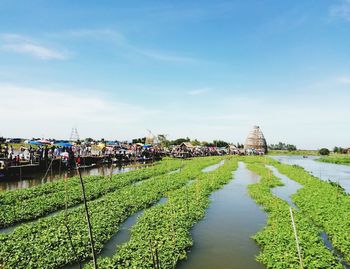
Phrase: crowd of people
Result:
[73,154]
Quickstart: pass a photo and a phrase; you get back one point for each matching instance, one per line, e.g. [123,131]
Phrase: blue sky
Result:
[203,69]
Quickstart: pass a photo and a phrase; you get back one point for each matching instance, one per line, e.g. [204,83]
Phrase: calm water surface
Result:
[222,240]
[325,171]
[38,178]
[213,167]
[122,236]
[284,192]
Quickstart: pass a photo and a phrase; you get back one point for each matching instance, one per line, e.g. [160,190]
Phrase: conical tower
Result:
[150,138]
[256,140]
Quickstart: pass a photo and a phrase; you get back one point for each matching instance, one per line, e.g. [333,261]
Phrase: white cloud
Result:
[125,45]
[199,91]
[31,112]
[342,10]
[163,56]
[24,45]
[343,80]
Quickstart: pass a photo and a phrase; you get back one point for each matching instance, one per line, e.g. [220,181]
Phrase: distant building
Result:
[150,138]
[186,146]
[255,142]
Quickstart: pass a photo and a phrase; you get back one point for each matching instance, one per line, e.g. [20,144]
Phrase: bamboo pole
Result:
[88,221]
[296,238]
[66,223]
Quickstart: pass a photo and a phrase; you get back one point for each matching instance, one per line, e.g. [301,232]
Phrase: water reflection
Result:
[37,179]
[222,240]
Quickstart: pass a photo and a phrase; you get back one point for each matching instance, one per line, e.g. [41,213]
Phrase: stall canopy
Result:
[63,144]
[33,142]
[44,141]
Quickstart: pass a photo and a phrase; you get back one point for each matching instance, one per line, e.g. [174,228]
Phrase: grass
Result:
[296,152]
[336,158]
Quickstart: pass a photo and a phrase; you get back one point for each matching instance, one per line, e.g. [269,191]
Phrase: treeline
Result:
[340,150]
[282,146]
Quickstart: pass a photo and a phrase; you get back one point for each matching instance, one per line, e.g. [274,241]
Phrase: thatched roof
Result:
[256,140]
[186,144]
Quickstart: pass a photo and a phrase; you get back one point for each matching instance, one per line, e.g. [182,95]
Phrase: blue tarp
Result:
[34,143]
[62,144]
[112,143]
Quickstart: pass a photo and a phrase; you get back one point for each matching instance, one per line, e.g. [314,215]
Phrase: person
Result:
[78,160]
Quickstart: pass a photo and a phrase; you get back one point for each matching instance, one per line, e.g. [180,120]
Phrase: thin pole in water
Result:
[296,238]
[88,221]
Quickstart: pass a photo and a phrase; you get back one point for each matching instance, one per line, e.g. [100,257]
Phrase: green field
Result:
[336,158]
[51,230]
[295,152]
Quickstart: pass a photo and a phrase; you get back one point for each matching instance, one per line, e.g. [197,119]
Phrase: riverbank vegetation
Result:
[63,238]
[336,158]
[276,240]
[161,236]
[57,233]
[295,152]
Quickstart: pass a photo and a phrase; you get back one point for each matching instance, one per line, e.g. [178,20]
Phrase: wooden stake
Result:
[88,221]
[296,238]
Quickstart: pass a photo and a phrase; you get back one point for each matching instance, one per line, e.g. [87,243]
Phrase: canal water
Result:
[37,179]
[325,171]
[122,236]
[284,192]
[222,240]
[213,167]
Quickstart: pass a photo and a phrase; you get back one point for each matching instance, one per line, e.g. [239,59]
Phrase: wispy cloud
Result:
[341,10]
[95,114]
[24,45]
[120,40]
[164,56]
[199,91]
[343,80]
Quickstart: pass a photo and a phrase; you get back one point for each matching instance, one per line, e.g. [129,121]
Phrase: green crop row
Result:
[326,204]
[337,159]
[276,240]
[161,237]
[46,244]
[38,206]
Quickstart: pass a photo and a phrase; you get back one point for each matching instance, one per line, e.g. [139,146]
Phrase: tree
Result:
[324,151]
[220,143]
[162,138]
[89,139]
[179,141]
[195,142]
[282,146]
[139,140]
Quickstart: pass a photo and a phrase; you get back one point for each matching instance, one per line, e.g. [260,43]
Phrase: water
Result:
[329,245]
[213,167]
[38,178]
[222,240]
[284,192]
[325,171]
[122,236]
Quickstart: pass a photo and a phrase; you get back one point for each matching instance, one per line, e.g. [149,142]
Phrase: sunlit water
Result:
[325,171]
[284,192]
[213,167]
[222,240]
